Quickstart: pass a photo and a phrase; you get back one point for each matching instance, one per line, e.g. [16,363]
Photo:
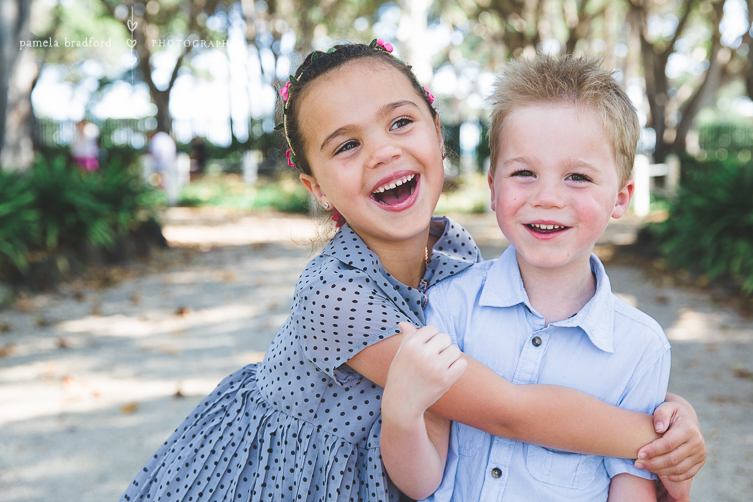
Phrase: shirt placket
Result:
[527,371]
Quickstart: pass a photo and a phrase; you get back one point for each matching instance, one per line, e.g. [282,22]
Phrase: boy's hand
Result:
[424,368]
[681,452]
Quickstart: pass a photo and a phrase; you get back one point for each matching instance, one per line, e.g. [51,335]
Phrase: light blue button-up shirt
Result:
[609,350]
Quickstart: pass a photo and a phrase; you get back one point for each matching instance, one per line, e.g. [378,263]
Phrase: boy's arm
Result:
[414,441]
[628,488]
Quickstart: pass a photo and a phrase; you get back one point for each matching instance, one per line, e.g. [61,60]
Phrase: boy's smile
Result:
[555,184]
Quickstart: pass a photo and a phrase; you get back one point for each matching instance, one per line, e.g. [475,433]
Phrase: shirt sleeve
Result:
[339,318]
[644,393]
[438,315]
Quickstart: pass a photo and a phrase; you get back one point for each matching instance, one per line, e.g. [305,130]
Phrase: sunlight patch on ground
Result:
[137,327]
[693,326]
[90,392]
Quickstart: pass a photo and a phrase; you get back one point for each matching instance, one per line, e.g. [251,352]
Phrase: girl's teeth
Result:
[394,184]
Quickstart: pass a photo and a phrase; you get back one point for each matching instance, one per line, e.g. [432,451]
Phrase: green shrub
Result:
[228,191]
[55,207]
[70,212]
[710,225]
[19,219]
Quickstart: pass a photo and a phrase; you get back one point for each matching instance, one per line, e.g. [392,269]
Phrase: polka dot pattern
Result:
[302,425]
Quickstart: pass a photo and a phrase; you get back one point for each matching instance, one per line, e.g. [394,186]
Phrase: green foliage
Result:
[69,210]
[56,206]
[19,219]
[710,224]
[469,194]
[228,191]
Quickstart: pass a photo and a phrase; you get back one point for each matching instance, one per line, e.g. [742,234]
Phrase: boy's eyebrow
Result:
[381,113]
[519,160]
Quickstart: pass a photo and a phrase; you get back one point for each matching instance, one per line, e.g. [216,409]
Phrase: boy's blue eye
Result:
[401,122]
[348,145]
[523,172]
[579,177]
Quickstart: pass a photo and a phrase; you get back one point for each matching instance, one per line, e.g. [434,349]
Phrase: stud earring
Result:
[325,205]
[444,155]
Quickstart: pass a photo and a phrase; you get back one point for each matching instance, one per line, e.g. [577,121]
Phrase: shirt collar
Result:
[454,251]
[504,288]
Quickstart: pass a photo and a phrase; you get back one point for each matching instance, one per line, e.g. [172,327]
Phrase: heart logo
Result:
[131,43]
[132,25]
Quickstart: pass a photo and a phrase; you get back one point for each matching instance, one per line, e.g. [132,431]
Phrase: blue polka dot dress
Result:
[302,425]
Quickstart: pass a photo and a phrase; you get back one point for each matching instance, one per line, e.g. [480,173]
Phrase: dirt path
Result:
[93,380]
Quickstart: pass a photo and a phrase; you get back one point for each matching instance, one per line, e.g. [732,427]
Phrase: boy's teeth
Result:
[394,184]
[547,227]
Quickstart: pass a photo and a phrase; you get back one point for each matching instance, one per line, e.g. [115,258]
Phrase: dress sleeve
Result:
[644,393]
[340,318]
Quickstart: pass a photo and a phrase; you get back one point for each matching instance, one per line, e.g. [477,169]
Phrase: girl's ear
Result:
[312,186]
[438,126]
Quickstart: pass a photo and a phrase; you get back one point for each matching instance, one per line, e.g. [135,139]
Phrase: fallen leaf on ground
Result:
[96,309]
[661,300]
[742,373]
[25,305]
[6,350]
[5,327]
[62,344]
[135,299]
[129,408]
[169,349]
[182,311]
[178,394]
[42,322]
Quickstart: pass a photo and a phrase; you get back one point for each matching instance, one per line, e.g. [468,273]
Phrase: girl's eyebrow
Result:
[381,113]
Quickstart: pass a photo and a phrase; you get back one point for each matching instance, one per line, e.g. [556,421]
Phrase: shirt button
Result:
[496,472]
[536,341]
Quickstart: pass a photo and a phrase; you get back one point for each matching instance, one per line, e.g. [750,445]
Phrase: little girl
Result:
[304,424]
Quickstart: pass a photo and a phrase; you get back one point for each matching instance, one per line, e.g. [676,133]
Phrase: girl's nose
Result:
[384,153]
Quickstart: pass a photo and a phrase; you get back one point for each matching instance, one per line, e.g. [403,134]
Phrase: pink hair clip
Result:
[291,157]
[429,96]
[384,45]
[284,92]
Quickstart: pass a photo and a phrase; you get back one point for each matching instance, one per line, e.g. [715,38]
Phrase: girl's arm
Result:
[414,442]
[625,487]
[547,415]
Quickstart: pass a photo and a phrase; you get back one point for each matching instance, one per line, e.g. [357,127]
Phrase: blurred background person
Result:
[85,146]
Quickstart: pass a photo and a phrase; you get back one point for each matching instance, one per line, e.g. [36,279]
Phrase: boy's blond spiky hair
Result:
[581,81]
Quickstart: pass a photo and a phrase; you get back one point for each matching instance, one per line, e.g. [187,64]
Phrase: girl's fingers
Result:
[407,328]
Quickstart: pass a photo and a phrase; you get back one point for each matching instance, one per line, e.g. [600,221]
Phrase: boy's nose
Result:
[548,195]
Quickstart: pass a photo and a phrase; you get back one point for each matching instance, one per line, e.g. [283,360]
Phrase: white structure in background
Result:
[644,171]
[251,166]
[412,30]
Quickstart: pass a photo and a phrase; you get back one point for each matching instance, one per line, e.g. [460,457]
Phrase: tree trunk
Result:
[17,74]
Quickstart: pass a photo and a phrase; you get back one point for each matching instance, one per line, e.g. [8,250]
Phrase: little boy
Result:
[563,138]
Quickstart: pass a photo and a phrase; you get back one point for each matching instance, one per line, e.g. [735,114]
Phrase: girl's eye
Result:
[400,123]
[348,145]
[579,177]
[523,172]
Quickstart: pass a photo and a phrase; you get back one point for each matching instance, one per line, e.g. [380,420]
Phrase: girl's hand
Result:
[670,491]
[424,368]
[681,452]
